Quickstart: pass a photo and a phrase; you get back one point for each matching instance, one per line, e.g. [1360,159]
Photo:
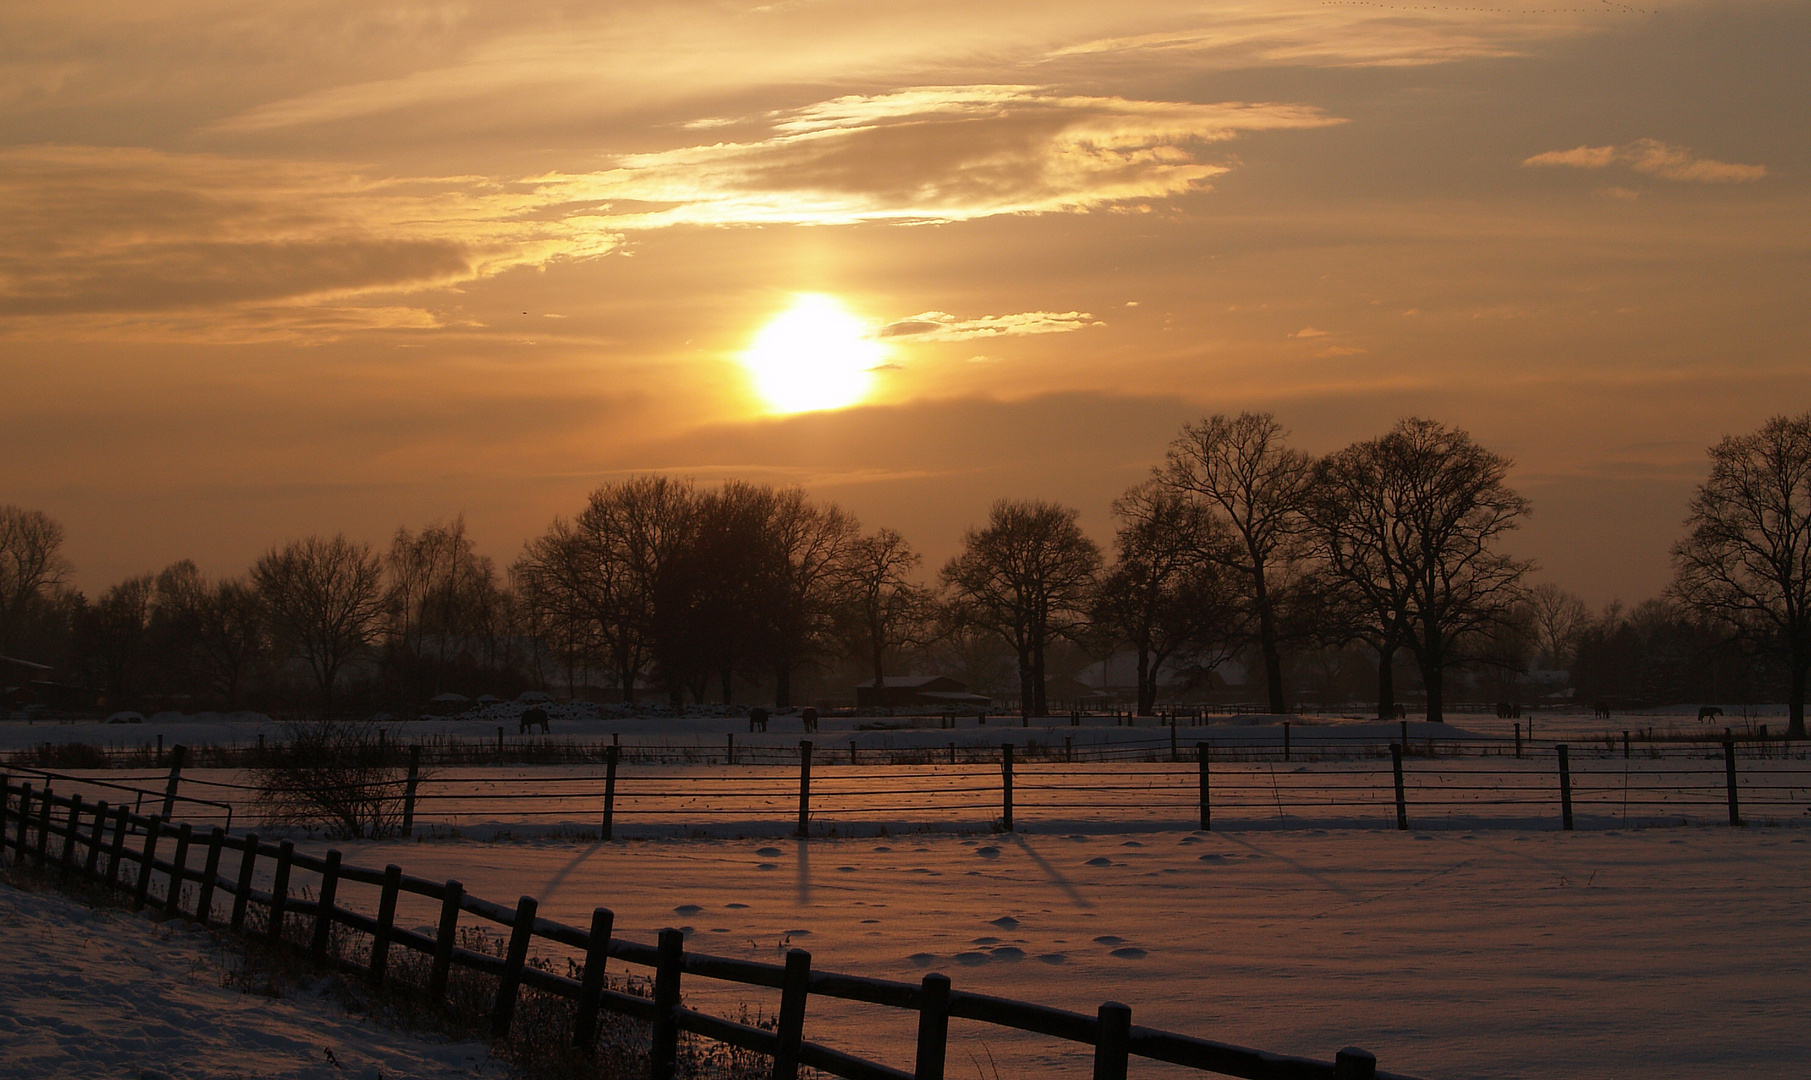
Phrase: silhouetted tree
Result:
[1240,470]
[323,601]
[1746,559]
[110,640]
[884,610]
[1168,595]
[1028,577]
[444,601]
[1557,618]
[813,547]
[32,567]
[210,633]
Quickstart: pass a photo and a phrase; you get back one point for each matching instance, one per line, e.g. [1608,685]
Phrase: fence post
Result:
[933,1026]
[1113,1045]
[952,762]
[25,818]
[729,756]
[323,912]
[408,793]
[117,849]
[279,890]
[1174,756]
[804,828]
[69,834]
[1402,802]
[610,758]
[663,1053]
[499,744]
[1405,733]
[444,939]
[1207,817]
[1006,783]
[179,866]
[1565,786]
[1286,747]
[40,853]
[1518,742]
[178,755]
[1729,779]
[143,893]
[6,793]
[242,892]
[1354,1064]
[504,1008]
[591,983]
[96,837]
[1625,744]
[1069,749]
[386,922]
[210,870]
[791,1029]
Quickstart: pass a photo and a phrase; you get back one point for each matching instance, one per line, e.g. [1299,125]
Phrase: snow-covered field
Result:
[104,994]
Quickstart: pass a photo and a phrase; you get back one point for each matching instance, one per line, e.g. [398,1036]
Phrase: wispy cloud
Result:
[933,154]
[1653,157]
[942,326]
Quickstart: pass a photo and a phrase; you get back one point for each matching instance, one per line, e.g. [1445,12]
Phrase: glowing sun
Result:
[814,355]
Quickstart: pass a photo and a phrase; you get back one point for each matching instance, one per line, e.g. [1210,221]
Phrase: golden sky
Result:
[271,269]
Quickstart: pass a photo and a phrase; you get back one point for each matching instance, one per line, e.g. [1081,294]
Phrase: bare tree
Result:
[31,567]
[813,546]
[444,598]
[323,600]
[1746,559]
[1169,595]
[1028,577]
[1239,468]
[884,610]
[213,630]
[110,637]
[1557,618]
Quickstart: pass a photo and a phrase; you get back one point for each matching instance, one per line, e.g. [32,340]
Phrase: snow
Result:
[102,993]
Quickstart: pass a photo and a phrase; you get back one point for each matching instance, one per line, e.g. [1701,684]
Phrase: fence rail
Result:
[93,845]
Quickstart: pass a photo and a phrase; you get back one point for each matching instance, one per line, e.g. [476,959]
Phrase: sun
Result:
[814,355]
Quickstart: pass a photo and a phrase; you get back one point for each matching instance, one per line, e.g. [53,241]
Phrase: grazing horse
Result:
[1603,710]
[809,716]
[757,718]
[534,716]
[1708,712]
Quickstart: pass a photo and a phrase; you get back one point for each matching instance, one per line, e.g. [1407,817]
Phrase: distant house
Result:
[25,683]
[918,691]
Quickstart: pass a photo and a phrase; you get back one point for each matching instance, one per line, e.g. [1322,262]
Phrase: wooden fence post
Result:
[67,862]
[116,850]
[1174,756]
[142,895]
[663,1051]
[1207,817]
[408,792]
[1402,802]
[804,828]
[591,982]
[210,872]
[386,922]
[1286,748]
[1518,742]
[794,987]
[323,911]
[1113,1044]
[1006,784]
[1354,1064]
[96,838]
[279,890]
[933,1026]
[610,758]
[242,891]
[1565,786]
[24,819]
[1729,780]
[179,754]
[1625,744]
[729,754]
[179,864]
[445,937]
[40,853]
[503,1009]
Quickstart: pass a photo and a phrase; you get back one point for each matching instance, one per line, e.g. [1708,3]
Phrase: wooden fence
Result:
[70,838]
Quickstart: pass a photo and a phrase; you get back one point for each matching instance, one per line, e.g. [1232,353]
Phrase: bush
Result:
[337,775]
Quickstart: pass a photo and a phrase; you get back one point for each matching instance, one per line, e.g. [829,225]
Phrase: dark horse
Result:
[1709,712]
[757,718]
[534,716]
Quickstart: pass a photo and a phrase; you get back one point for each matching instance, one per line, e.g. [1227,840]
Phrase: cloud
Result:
[1308,332]
[942,326]
[87,230]
[1653,157]
[932,154]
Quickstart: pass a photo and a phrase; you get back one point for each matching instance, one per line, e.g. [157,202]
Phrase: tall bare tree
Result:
[1169,595]
[323,599]
[884,609]
[1558,618]
[444,597]
[31,567]
[1746,559]
[1028,577]
[212,630]
[1239,468]
[813,546]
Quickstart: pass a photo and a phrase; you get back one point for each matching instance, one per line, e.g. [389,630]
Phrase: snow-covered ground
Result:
[105,994]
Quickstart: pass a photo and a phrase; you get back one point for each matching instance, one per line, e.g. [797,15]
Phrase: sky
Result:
[272,270]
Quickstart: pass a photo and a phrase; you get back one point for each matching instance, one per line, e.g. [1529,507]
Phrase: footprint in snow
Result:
[923,959]
[768,852]
[1130,952]
[1109,939]
[883,848]
[1053,958]
[1212,858]
[687,909]
[1009,953]
[972,959]
[1191,840]
[984,941]
[1005,922]
[798,933]
[1100,860]
[845,869]
[1131,843]
[988,852]
[735,905]
[870,920]
[767,866]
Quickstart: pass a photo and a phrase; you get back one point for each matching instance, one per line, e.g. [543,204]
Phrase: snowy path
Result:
[104,994]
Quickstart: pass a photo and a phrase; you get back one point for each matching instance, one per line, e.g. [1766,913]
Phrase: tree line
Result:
[1376,571]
